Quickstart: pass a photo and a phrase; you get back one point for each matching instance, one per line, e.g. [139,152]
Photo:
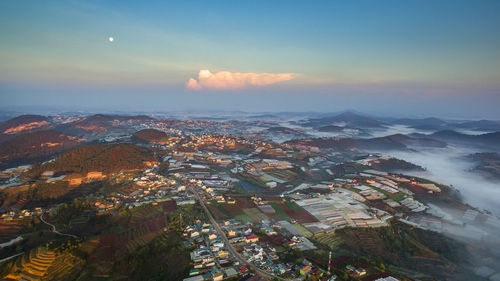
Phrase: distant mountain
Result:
[487,164]
[417,142]
[346,119]
[105,158]
[25,148]
[149,136]
[99,118]
[491,140]
[100,123]
[481,125]
[282,130]
[24,123]
[425,124]
[350,144]
[420,122]
[331,128]
[387,143]
[279,133]
[264,116]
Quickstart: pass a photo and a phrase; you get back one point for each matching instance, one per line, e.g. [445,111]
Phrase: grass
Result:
[255,214]
[397,196]
[293,206]
[387,194]
[244,218]
[279,212]
[304,230]
[239,189]
[361,167]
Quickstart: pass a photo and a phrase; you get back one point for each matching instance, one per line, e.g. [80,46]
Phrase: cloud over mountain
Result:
[225,80]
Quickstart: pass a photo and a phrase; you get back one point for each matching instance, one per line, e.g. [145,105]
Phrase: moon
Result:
[111,39]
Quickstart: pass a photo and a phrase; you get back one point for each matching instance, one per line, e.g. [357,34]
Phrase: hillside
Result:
[404,246]
[487,164]
[347,119]
[101,122]
[330,128]
[392,142]
[34,146]
[23,123]
[346,144]
[149,136]
[97,157]
[480,125]
[393,165]
[426,124]
[491,140]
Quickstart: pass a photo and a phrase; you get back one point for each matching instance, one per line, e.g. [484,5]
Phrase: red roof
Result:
[252,236]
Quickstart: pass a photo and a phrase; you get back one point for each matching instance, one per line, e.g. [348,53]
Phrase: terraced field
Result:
[9,229]
[331,240]
[42,264]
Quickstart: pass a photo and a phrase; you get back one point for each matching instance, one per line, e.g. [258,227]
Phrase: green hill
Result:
[106,158]
[34,146]
[149,136]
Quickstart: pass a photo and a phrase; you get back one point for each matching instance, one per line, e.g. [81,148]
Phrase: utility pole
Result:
[329,262]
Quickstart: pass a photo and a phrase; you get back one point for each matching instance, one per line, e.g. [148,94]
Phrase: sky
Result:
[399,58]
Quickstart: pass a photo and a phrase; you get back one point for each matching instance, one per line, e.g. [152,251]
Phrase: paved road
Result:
[11,257]
[230,247]
[54,228]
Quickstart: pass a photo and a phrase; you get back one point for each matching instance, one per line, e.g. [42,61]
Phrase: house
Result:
[251,238]
[271,184]
[305,270]
[242,269]
[231,233]
[95,176]
[217,276]
[359,272]
[230,272]
[194,278]
[247,230]
[47,174]
[75,181]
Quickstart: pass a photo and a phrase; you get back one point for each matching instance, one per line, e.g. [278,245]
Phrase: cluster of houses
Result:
[210,256]
[19,214]
[260,253]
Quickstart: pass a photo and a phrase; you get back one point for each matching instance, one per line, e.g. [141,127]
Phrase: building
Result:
[251,238]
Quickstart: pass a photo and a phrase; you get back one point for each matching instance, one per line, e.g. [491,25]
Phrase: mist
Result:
[448,166]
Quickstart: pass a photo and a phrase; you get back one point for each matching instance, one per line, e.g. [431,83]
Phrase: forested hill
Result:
[34,146]
[149,136]
[106,158]
[23,123]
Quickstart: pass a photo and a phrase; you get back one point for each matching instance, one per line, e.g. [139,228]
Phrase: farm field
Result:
[255,214]
[287,210]
[43,264]
[9,229]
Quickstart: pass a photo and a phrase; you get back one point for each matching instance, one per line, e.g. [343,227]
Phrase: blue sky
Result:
[438,58]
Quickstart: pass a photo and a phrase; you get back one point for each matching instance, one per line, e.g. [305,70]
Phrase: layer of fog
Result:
[404,129]
[448,166]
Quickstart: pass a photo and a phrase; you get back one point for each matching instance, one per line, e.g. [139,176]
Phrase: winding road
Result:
[54,228]
[230,247]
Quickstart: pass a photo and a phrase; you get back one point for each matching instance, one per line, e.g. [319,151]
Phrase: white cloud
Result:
[226,80]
